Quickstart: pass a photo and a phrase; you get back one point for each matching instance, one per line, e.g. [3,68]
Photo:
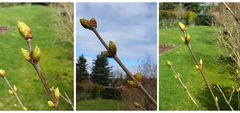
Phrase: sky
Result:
[131,26]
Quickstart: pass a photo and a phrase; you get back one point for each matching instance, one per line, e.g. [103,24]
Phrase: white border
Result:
[75,57]
[158,57]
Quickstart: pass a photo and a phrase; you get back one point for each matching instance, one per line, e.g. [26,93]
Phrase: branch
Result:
[186,39]
[92,25]
[225,98]
[125,69]
[177,76]
[15,93]
[232,13]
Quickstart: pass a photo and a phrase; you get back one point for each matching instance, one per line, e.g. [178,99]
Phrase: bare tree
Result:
[228,31]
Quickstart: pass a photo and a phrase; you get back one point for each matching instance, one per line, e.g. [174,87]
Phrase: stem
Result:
[142,108]
[43,80]
[225,98]
[230,98]
[14,93]
[183,85]
[125,69]
[29,43]
[56,104]
[41,76]
[203,76]
[67,99]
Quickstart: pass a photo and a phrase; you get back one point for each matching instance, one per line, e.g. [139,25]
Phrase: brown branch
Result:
[41,75]
[125,69]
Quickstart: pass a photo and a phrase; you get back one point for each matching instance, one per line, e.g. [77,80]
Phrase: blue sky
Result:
[132,26]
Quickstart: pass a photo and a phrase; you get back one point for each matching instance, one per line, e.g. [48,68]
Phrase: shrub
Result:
[98,89]
[166,15]
[204,20]
[111,93]
[191,17]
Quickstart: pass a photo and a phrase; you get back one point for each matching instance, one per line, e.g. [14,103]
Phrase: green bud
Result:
[169,63]
[51,104]
[201,61]
[197,67]
[132,83]
[36,54]
[88,24]
[187,39]
[182,27]
[138,76]
[24,30]
[2,73]
[26,54]
[112,48]
[137,105]
[57,93]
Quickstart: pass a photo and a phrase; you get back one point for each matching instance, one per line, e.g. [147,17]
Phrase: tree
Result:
[81,71]
[194,7]
[168,6]
[101,71]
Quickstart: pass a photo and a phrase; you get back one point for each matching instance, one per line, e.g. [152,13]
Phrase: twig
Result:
[67,99]
[232,13]
[125,69]
[15,93]
[203,75]
[177,75]
[41,76]
[230,98]
[225,98]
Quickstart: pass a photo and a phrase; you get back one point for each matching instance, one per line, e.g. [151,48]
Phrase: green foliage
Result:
[204,20]
[111,93]
[98,89]
[172,96]
[191,17]
[194,7]
[168,6]
[101,104]
[164,14]
[81,69]
[55,62]
[100,71]
[167,19]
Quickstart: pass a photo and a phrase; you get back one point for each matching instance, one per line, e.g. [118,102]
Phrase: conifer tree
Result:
[81,71]
[101,71]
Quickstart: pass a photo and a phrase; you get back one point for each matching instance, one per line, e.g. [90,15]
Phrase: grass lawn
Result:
[56,62]
[172,95]
[101,104]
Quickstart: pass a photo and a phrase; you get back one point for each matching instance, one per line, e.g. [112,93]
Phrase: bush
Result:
[166,15]
[98,89]
[111,93]
[204,20]
[191,17]
[167,19]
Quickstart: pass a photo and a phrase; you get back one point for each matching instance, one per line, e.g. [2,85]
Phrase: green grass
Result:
[55,61]
[101,104]
[172,95]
